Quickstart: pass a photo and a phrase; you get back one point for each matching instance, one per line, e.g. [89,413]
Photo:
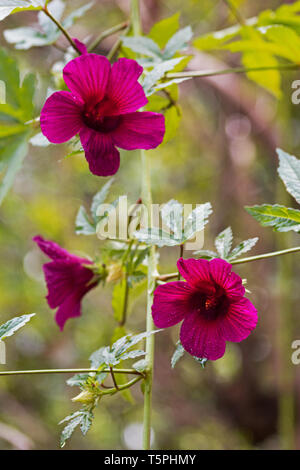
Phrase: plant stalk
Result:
[61,28]
[67,371]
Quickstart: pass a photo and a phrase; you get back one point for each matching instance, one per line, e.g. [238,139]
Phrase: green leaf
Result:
[281,218]
[140,366]
[76,14]
[197,220]
[100,197]
[279,34]
[178,42]
[14,154]
[142,45]
[11,326]
[178,353]
[39,140]
[223,242]
[215,40]
[289,172]
[243,247]
[118,300]
[164,30]
[206,254]
[157,73]
[82,418]
[201,360]
[172,217]
[78,380]
[172,121]
[83,226]
[157,237]
[9,7]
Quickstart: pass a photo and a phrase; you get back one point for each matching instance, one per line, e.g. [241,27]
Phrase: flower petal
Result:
[80,45]
[124,89]
[63,278]
[103,158]
[196,273]
[170,303]
[70,308]
[61,117]
[239,321]
[232,283]
[140,130]
[51,249]
[201,337]
[87,76]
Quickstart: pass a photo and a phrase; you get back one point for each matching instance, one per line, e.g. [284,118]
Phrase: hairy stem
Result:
[61,28]
[67,371]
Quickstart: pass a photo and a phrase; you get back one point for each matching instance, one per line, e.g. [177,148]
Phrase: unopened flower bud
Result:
[115,272]
[85,397]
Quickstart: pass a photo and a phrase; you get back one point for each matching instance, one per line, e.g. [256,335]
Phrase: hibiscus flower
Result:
[68,279]
[211,304]
[102,107]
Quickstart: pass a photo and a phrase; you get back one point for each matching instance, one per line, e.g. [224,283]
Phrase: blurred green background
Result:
[224,152]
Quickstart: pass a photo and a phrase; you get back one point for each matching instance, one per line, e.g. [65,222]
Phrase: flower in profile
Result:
[68,279]
[102,107]
[211,304]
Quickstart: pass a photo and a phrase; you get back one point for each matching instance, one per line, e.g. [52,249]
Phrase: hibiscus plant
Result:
[128,100]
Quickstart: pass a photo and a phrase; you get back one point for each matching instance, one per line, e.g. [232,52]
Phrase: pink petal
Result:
[80,46]
[170,304]
[102,156]
[87,76]
[124,90]
[232,283]
[201,337]
[50,248]
[140,130]
[61,117]
[70,308]
[196,272]
[64,277]
[239,321]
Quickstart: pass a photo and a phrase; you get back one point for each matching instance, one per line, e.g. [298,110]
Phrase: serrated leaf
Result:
[140,366]
[178,353]
[178,42]
[172,217]
[142,45]
[133,354]
[39,140]
[78,380]
[11,326]
[156,236]
[81,418]
[100,197]
[9,7]
[157,73]
[163,30]
[100,357]
[289,172]
[83,226]
[206,254]
[197,220]
[281,218]
[243,247]
[223,242]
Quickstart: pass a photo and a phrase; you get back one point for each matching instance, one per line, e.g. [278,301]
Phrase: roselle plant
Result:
[128,100]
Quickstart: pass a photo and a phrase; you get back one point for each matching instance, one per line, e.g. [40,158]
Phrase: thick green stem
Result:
[66,371]
[152,268]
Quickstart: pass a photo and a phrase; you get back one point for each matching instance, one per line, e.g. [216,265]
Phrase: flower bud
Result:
[85,397]
[115,272]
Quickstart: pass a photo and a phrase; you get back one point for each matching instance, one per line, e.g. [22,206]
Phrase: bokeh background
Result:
[224,152]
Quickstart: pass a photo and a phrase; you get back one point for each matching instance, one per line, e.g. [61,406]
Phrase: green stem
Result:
[117,45]
[152,268]
[112,391]
[107,33]
[61,28]
[267,255]
[67,371]
[113,378]
[212,73]
[235,12]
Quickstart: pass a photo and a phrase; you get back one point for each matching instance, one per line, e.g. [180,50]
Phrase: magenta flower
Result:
[102,107]
[211,304]
[68,280]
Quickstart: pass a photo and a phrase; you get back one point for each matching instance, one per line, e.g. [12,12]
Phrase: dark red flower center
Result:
[96,116]
[212,305]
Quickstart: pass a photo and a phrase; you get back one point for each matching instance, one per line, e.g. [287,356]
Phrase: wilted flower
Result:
[68,279]
[102,107]
[211,304]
